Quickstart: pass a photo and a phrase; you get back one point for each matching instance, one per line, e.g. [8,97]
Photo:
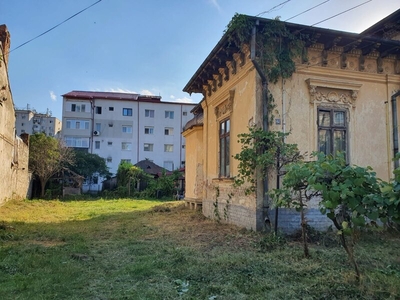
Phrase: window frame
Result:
[148,147]
[332,128]
[169,114]
[128,146]
[168,131]
[149,113]
[150,129]
[126,127]
[224,148]
[169,148]
[127,112]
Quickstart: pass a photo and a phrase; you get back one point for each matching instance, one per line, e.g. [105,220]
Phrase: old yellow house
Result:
[341,96]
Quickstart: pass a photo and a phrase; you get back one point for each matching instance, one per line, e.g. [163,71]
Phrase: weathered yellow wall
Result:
[194,165]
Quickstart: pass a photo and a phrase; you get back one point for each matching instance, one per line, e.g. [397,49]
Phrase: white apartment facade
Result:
[126,127]
[31,122]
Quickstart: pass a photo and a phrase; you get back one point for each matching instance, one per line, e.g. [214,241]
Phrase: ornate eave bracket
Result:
[327,91]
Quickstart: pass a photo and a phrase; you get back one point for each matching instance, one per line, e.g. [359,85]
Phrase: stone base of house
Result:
[233,214]
[193,203]
[289,220]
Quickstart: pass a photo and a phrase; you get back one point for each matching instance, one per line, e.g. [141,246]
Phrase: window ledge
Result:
[223,179]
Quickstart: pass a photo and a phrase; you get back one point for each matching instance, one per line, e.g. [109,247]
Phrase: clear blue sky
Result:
[140,46]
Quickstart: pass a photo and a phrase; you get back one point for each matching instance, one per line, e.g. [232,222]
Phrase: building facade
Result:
[14,151]
[342,96]
[126,127]
[31,122]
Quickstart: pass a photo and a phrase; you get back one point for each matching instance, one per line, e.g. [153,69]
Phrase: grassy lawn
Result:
[138,249]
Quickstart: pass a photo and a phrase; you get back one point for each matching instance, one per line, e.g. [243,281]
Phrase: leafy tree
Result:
[47,156]
[350,195]
[262,151]
[129,175]
[165,184]
[86,164]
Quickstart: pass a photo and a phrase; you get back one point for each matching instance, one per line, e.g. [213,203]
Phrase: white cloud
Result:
[53,96]
[119,90]
[172,97]
[215,4]
[185,100]
[146,92]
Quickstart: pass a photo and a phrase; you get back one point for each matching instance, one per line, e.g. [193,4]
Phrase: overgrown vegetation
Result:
[137,249]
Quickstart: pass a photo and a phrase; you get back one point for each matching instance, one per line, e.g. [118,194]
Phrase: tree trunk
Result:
[42,187]
[350,253]
[303,227]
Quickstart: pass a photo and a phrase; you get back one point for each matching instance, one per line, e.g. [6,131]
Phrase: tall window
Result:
[148,147]
[98,126]
[97,144]
[224,148]
[169,114]
[149,113]
[332,131]
[78,107]
[127,111]
[149,130]
[98,110]
[126,129]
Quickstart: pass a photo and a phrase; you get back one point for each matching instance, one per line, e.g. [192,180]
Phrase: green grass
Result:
[138,249]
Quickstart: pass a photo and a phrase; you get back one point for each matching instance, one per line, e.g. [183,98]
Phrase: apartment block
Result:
[31,122]
[126,127]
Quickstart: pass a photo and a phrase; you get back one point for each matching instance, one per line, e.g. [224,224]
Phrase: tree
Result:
[262,151]
[47,156]
[350,195]
[129,175]
[86,164]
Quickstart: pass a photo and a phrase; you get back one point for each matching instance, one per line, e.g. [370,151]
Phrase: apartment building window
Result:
[224,148]
[111,108]
[77,142]
[22,124]
[168,148]
[23,117]
[149,113]
[332,131]
[22,131]
[97,145]
[184,113]
[148,147]
[169,165]
[109,159]
[127,111]
[126,129]
[77,124]
[98,110]
[169,114]
[98,126]
[183,146]
[78,107]
[149,130]
[109,143]
[126,161]
[126,146]
[50,121]
[168,131]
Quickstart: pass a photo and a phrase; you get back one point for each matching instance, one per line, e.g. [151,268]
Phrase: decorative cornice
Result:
[226,106]
[333,91]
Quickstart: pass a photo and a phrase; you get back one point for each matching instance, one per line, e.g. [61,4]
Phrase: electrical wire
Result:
[276,6]
[307,10]
[54,27]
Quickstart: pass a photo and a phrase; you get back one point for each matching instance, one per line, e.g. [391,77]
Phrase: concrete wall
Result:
[14,152]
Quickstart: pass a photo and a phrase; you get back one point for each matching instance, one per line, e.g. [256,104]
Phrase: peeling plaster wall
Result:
[14,152]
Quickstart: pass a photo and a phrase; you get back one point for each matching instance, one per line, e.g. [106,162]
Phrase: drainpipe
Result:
[264,82]
[395,128]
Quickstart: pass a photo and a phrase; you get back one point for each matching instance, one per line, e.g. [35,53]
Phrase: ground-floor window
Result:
[224,148]
[332,130]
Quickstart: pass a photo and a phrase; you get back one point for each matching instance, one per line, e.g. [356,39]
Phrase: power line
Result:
[307,10]
[54,27]
[341,13]
[276,6]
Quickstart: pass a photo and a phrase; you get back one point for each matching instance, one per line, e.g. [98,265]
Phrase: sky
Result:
[141,46]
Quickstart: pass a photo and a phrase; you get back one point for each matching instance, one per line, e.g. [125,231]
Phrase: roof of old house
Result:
[111,96]
[385,28]
[225,48]
[150,168]
[196,121]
